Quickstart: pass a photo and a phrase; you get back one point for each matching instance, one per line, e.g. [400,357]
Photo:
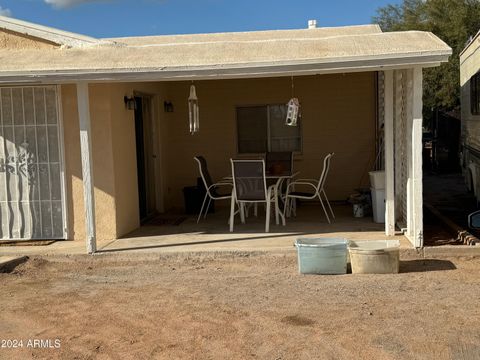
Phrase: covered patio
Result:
[181,233]
[361,97]
[213,235]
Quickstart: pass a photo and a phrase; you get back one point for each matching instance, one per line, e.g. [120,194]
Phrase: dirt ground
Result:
[449,195]
[238,306]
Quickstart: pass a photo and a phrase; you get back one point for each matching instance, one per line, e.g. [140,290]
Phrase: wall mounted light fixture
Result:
[130,102]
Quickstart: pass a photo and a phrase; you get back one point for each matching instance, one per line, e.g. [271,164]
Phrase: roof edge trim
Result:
[470,42]
[231,72]
[60,37]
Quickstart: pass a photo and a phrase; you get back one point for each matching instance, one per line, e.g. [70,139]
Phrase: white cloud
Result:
[68,3]
[5,12]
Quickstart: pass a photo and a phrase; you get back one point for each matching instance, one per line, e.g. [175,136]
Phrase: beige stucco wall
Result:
[124,150]
[103,171]
[338,115]
[114,159]
[13,40]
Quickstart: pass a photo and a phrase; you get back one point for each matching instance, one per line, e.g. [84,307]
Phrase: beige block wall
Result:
[12,40]
[338,115]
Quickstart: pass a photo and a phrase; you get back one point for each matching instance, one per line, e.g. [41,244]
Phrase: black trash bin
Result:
[193,199]
[193,196]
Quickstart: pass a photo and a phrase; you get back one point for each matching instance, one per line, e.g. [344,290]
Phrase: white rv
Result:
[470,102]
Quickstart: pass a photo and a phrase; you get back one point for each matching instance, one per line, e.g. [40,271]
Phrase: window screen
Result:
[282,137]
[252,129]
[262,128]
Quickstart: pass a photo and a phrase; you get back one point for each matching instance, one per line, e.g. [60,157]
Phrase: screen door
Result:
[31,166]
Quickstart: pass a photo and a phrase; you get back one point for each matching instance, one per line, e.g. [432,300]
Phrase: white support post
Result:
[87,170]
[399,143]
[389,156]
[409,94]
[416,156]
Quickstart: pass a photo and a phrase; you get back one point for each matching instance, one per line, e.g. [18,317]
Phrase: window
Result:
[262,128]
[475,94]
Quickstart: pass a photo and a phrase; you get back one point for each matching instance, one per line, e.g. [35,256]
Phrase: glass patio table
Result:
[279,178]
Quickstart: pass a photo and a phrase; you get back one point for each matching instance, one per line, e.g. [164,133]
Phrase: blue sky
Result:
[114,18]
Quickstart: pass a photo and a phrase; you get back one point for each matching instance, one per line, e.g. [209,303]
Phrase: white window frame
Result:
[63,173]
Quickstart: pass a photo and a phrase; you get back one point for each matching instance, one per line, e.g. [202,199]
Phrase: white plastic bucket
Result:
[378,205]
[358,210]
[375,257]
[377,179]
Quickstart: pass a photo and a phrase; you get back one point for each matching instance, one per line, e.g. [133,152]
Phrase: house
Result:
[78,163]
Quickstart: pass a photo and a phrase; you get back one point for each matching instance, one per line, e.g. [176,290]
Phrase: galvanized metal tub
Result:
[322,255]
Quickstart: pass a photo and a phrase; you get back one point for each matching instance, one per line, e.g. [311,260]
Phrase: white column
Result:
[399,148]
[416,177]
[408,134]
[389,156]
[87,170]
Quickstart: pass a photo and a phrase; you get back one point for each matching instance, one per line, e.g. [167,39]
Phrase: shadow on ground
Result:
[206,242]
[423,265]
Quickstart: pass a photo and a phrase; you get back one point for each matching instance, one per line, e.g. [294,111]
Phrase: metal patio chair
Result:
[210,187]
[250,187]
[317,185]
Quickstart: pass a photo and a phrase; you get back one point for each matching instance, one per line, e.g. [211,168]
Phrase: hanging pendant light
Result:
[293,110]
[193,111]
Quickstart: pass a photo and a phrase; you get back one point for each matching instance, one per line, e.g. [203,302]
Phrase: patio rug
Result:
[162,221]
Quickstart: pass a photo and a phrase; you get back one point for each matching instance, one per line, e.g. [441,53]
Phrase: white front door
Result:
[31,164]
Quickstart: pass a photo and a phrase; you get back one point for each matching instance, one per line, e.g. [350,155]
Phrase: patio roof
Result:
[250,35]
[226,55]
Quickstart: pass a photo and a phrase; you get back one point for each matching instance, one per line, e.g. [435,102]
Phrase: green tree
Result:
[454,21]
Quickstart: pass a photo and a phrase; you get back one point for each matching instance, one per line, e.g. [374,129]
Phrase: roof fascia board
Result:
[463,58]
[470,42]
[53,35]
[144,77]
[378,27]
[232,72]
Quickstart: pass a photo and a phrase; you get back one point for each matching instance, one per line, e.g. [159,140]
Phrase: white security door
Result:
[31,164]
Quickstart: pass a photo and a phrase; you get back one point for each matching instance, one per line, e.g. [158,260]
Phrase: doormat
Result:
[162,221]
[26,242]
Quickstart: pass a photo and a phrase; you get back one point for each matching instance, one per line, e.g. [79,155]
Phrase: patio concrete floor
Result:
[212,234]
